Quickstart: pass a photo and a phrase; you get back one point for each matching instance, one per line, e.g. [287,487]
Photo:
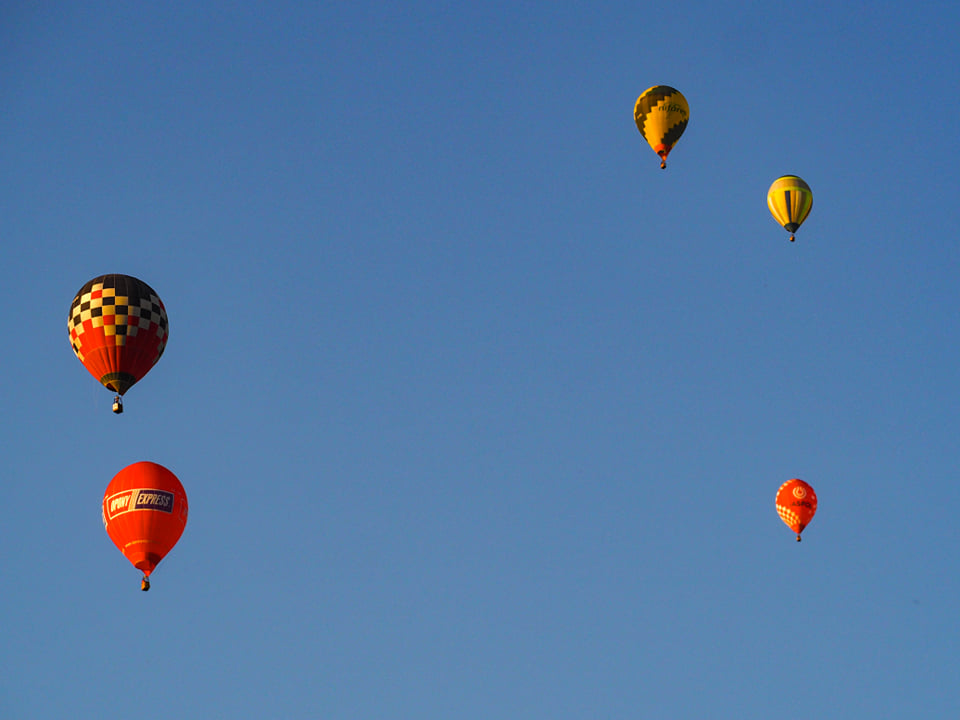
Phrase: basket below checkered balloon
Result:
[118,329]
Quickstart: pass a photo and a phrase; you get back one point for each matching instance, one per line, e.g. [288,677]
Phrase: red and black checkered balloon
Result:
[118,329]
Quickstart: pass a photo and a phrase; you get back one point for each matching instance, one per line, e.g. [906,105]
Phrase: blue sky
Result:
[479,412]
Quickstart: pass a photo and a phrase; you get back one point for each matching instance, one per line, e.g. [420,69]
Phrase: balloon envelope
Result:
[144,513]
[796,504]
[118,329]
[661,114]
[789,200]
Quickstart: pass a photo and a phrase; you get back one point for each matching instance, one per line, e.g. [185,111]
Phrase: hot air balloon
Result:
[661,114]
[796,505]
[118,329]
[144,513]
[790,200]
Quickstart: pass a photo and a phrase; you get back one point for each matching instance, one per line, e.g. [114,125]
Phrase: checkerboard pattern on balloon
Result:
[112,308]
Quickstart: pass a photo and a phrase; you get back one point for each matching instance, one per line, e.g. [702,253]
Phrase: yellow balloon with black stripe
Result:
[661,114]
[790,200]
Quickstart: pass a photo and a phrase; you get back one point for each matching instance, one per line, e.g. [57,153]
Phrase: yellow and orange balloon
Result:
[661,114]
[796,504]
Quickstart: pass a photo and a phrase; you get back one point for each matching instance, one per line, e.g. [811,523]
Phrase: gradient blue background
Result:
[479,412]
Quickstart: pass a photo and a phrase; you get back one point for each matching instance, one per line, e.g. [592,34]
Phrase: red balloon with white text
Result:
[796,504]
[145,513]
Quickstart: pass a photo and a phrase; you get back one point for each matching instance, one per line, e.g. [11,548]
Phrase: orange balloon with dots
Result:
[796,504]
[144,513]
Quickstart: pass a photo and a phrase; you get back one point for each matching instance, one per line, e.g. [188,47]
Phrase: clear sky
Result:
[480,413]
